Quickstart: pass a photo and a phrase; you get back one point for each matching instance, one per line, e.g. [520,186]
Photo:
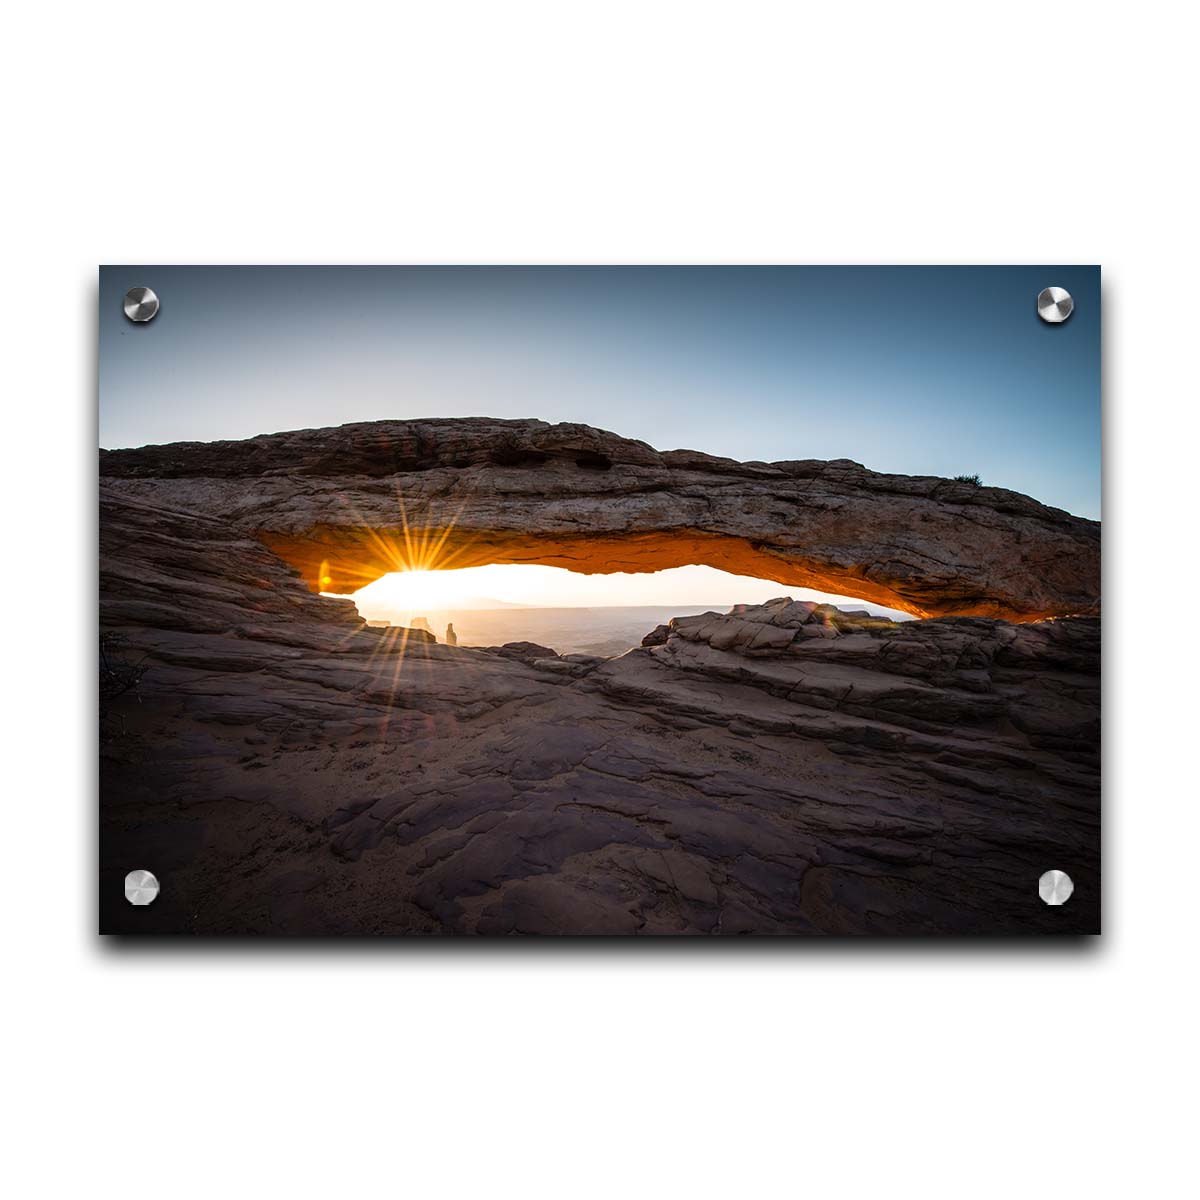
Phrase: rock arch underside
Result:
[781,769]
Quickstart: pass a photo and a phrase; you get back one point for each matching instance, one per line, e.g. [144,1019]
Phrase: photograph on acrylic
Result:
[600,601]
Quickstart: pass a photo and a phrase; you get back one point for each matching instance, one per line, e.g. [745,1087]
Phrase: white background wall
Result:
[599,133]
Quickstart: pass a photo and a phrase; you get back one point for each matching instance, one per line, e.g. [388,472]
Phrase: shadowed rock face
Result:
[786,768]
[346,505]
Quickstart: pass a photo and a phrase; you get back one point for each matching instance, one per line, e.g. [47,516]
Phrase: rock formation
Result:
[783,768]
[347,505]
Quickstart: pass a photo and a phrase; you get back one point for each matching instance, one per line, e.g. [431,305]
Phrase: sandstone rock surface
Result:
[346,505]
[781,769]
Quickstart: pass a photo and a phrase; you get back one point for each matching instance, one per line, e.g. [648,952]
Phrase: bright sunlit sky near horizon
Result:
[913,370]
[401,596]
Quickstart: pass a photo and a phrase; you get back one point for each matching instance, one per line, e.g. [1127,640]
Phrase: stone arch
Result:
[346,505]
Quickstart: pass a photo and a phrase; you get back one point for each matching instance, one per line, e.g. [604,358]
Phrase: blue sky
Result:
[915,370]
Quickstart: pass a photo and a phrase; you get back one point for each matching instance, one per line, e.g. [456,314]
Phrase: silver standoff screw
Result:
[1055,305]
[141,304]
[1055,887]
[140,887]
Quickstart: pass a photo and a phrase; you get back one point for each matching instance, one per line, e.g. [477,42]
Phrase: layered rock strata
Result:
[346,505]
[782,769]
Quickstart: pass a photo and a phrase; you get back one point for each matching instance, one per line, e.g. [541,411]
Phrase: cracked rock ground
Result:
[781,769]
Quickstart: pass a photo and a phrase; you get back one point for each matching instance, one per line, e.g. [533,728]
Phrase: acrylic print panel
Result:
[602,601]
